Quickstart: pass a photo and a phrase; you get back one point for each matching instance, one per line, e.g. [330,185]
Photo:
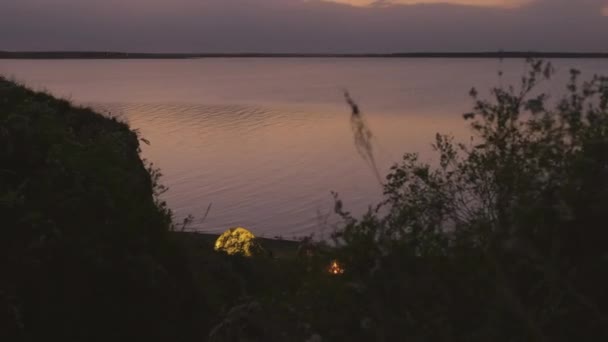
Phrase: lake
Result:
[265,141]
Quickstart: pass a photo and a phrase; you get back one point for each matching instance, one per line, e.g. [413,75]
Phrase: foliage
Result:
[85,249]
[503,239]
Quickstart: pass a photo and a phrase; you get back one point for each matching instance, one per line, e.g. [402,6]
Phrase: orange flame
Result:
[335,268]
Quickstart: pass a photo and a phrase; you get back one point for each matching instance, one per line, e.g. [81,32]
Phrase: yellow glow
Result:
[335,268]
[237,241]
[485,3]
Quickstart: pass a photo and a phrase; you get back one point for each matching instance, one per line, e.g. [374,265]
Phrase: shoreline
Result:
[448,55]
[278,248]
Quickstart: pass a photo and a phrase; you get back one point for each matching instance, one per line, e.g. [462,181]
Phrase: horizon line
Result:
[99,54]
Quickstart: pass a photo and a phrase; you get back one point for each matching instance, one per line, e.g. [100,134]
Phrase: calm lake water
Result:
[265,141]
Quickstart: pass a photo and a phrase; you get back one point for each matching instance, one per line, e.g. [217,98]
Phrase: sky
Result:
[304,26]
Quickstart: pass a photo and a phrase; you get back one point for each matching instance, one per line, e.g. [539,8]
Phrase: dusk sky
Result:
[304,25]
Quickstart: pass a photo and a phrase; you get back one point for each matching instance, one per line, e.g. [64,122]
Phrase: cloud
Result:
[485,3]
[299,26]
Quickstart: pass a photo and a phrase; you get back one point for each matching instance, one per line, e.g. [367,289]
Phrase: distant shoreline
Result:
[126,55]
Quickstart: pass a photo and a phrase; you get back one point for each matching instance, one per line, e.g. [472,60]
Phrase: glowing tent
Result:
[237,240]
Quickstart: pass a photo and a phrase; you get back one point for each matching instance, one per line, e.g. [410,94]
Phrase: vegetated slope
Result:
[84,251]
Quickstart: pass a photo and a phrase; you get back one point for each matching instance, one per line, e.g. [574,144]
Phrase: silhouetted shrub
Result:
[505,239]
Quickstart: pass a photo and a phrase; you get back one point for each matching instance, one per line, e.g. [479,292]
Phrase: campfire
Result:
[335,268]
